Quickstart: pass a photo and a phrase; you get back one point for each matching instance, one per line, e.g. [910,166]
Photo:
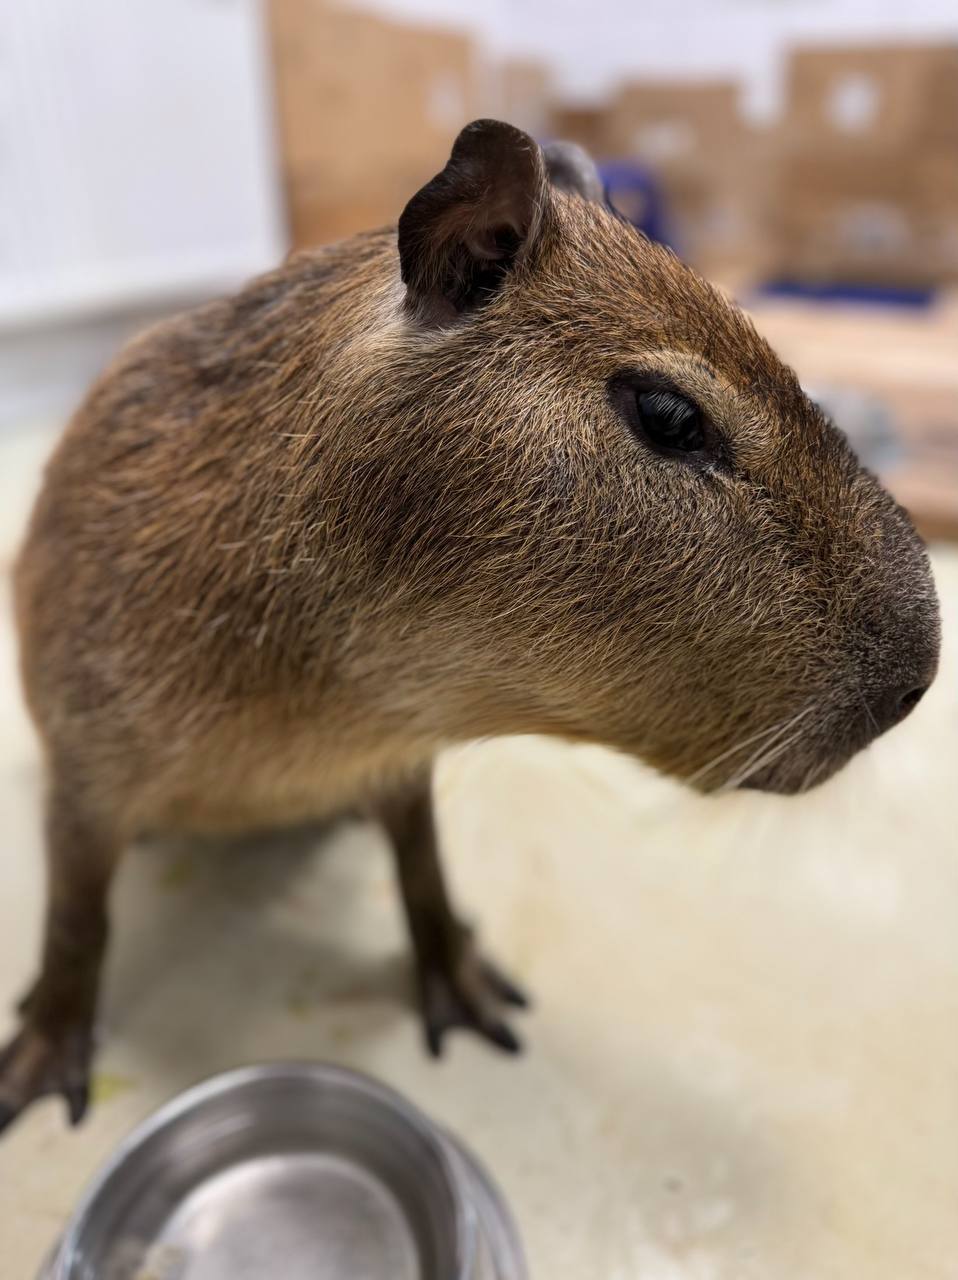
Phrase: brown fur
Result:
[297,541]
[291,546]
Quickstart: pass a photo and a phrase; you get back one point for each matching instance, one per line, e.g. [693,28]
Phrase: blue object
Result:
[876,294]
[634,192]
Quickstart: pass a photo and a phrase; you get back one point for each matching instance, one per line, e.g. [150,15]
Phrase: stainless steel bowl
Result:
[290,1172]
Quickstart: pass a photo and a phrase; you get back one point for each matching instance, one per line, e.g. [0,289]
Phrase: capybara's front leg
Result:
[457,987]
[51,1052]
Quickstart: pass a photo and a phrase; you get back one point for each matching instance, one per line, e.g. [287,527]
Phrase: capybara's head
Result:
[632,524]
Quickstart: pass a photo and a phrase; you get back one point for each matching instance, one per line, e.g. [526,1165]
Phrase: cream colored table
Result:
[743,1064]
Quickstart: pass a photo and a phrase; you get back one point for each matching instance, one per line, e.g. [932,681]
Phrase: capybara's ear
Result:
[462,234]
[572,169]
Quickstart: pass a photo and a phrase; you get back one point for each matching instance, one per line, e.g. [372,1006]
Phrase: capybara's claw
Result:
[467,991]
[38,1064]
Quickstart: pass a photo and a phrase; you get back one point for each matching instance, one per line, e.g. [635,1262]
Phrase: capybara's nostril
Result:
[894,703]
[908,701]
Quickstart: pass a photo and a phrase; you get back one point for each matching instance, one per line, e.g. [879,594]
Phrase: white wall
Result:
[135,153]
[593,42]
[137,173]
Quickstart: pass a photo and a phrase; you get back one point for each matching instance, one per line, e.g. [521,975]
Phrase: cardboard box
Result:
[674,125]
[367,110]
[883,217]
[868,188]
[715,170]
[722,231]
[873,96]
[589,126]
[525,96]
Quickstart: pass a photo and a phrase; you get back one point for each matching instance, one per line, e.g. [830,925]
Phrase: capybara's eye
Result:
[664,418]
[670,421]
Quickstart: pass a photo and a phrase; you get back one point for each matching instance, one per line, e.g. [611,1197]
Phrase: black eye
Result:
[662,416]
[670,421]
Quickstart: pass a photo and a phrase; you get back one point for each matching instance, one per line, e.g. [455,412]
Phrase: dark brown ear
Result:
[466,229]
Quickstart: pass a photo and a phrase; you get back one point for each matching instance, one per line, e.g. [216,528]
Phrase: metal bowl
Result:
[299,1171]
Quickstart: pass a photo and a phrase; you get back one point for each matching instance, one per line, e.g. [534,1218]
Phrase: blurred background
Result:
[802,153]
[745,1057]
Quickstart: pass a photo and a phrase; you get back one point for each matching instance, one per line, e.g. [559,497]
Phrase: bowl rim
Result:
[66,1255]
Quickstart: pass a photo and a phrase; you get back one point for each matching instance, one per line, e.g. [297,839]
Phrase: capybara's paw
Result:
[38,1063]
[462,989]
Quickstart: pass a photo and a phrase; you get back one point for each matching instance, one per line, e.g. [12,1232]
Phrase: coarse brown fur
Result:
[297,541]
